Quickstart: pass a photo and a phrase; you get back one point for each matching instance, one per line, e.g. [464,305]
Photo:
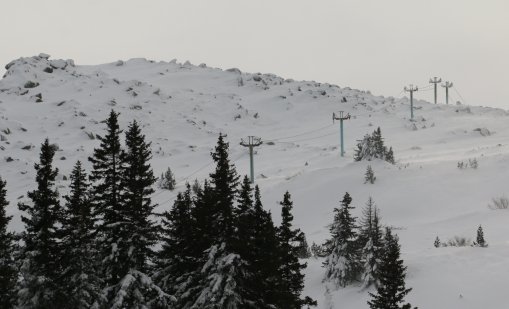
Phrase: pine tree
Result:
[245,223]
[369,176]
[8,271]
[226,282]
[290,270]
[378,144]
[167,180]
[135,289]
[437,242]
[40,268]
[371,242]
[224,181]
[107,163]
[389,156]
[304,251]
[80,279]
[342,265]
[391,292]
[175,261]
[480,242]
[265,255]
[224,279]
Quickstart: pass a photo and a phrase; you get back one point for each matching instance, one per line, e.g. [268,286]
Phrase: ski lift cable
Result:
[301,134]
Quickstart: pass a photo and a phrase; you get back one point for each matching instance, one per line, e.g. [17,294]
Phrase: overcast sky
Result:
[376,45]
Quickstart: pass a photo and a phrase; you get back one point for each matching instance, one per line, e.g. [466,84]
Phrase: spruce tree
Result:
[167,180]
[245,221]
[80,278]
[8,271]
[371,242]
[224,279]
[290,269]
[369,176]
[40,268]
[106,175]
[135,289]
[391,292]
[480,242]
[175,261]
[437,242]
[265,255]
[224,181]
[389,156]
[342,264]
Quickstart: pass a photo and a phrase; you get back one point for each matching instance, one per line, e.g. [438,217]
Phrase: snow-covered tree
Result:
[107,163]
[135,289]
[371,242]
[40,255]
[175,262]
[167,180]
[8,271]
[342,264]
[391,292]
[372,147]
[480,242]
[80,278]
[437,242]
[225,282]
[369,176]
[291,277]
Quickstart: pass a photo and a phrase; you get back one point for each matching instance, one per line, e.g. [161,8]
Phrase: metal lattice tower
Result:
[341,116]
[411,89]
[252,141]
[447,85]
[435,81]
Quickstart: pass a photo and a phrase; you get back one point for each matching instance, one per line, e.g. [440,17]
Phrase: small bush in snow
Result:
[499,203]
[372,147]
[458,241]
[471,163]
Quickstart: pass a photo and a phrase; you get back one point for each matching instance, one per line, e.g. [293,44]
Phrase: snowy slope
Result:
[183,107]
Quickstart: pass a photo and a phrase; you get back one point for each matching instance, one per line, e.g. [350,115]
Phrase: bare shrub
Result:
[458,241]
[499,203]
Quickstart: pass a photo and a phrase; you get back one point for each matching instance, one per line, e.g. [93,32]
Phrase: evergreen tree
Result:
[369,176]
[480,242]
[391,292]
[265,255]
[226,282]
[245,223]
[107,166]
[290,269]
[371,242]
[304,251]
[389,156]
[175,261]
[342,265]
[437,242]
[224,181]
[8,271]
[40,268]
[80,279]
[167,180]
[224,279]
[135,288]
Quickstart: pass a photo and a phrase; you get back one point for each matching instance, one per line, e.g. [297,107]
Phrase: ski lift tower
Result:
[341,116]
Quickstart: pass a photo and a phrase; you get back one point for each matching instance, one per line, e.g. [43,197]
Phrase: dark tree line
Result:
[95,247]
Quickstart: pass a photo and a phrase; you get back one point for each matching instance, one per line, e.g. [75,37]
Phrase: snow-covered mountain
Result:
[183,107]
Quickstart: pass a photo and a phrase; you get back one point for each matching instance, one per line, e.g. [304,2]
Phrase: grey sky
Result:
[377,45]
